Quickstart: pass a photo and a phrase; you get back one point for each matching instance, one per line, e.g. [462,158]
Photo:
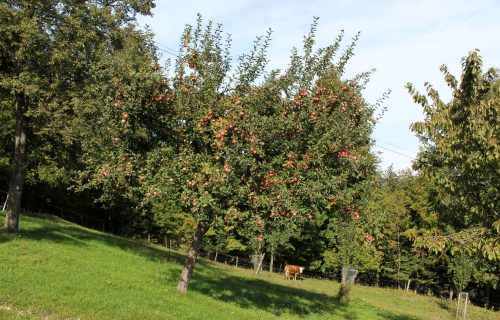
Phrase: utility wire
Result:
[170,53]
[399,153]
[166,49]
[391,144]
[164,46]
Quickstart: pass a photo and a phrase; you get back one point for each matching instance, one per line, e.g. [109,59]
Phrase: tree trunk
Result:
[398,263]
[16,183]
[487,297]
[183,284]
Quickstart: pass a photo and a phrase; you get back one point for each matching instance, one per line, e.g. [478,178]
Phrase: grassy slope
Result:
[58,270]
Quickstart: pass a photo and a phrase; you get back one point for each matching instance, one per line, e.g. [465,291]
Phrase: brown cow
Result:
[291,270]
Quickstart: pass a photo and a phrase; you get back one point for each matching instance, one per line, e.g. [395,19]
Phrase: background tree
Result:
[461,155]
[461,267]
[129,107]
[278,242]
[46,52]
[460,159]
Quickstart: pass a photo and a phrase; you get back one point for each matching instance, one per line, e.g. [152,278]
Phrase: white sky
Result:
[405,41]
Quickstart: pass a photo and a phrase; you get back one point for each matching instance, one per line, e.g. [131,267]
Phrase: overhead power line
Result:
[164,46]
[165,49]
[393,151]
[170,53]
[394,145]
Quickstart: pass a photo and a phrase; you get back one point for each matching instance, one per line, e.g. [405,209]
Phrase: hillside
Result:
[54,269]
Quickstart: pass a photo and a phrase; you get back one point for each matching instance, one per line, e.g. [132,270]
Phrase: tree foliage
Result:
[461,154]
[261,151]
[48,52]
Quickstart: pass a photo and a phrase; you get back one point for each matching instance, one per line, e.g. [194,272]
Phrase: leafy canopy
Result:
[461,153]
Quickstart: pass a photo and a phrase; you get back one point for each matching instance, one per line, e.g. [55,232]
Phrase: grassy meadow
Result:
[53,269]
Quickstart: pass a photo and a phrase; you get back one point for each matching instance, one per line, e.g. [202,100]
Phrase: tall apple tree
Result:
[261,151]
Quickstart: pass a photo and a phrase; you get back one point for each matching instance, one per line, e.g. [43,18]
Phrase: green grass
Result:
[53,269]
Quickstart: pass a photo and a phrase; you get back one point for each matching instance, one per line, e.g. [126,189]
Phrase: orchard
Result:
[215,152]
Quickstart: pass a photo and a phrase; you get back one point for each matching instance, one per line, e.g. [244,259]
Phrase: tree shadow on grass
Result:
[56,230]
[255,293]
[208,279]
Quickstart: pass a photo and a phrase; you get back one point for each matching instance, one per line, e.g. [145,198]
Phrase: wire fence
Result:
[278,266]
[236,261]
[411,285]
[91,222]
[416,286]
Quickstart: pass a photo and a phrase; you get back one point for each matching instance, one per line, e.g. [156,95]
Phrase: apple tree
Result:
[261,151]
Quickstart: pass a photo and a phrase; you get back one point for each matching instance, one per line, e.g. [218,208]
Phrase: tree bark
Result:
[187,272]
[487,297]
[17,179]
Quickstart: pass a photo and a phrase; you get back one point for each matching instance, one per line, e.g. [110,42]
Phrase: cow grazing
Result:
[293,271]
